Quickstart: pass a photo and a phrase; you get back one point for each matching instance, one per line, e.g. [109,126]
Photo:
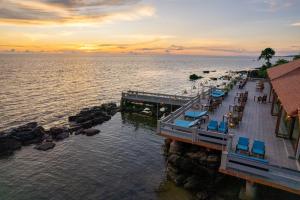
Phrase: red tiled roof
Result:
[285,80]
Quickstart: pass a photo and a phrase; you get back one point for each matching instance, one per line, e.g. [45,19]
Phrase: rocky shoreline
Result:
[193,168]
[32,133]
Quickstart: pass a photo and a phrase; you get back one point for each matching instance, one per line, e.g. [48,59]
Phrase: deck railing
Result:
[156,95]
[259,167]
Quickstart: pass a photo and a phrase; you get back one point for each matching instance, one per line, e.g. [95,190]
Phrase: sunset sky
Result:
[198,27]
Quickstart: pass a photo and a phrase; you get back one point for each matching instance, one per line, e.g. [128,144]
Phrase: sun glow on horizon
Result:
[149,27]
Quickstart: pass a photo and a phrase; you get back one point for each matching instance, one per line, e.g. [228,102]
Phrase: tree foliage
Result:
[267,54]
[280,62]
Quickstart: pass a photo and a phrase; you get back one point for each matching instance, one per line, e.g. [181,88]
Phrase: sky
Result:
[196,27]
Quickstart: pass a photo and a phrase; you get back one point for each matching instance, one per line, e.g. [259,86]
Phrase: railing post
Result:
[158,127]
[224,160]
[229,142]
[225,152]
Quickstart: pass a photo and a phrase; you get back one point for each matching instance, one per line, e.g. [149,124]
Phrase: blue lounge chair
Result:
[243,144]
[223,127]
[217,93]
[186,124]
[195,114]
[212,126]
[258,148]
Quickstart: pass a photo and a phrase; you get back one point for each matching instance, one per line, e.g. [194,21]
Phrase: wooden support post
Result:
[224,160]
[158,127]
[278,121]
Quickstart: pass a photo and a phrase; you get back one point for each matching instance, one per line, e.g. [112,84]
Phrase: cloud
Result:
[295,24]
[273,5]
[71,11]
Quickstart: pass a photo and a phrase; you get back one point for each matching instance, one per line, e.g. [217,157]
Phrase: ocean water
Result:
[48,88]
[125,160]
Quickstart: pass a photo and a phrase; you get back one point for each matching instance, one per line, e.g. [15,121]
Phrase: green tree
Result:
[267,54]
[296,57]
[281,61]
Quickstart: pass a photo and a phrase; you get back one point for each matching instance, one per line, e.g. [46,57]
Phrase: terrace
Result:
[278,169]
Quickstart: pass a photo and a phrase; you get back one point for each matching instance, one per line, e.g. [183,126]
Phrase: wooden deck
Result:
[280,170]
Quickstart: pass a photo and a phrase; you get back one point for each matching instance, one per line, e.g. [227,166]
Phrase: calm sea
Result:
[125,160]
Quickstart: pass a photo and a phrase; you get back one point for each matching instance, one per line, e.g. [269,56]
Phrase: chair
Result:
[212,126]
[258,148]
[243,145]
[186,124]
[223,127]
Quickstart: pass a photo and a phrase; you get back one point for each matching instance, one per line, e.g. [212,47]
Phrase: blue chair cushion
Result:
[212,125]
[258,147]
[195,114]
[223,127]
[243,141]
[242,147]
[185,124]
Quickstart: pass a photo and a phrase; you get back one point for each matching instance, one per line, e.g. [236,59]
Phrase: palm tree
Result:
[267,54]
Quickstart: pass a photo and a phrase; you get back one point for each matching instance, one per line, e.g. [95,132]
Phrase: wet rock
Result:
[28,134]
[175,147]
[8,145]
[45,146]
[186,164]
[59,133]
[180,179]
[203,195]
[192,183]
[89,117]
[62,136]
[91,132]
[213,161]
[74,128]
[205,72]
[174,159]
[87,124]
[78,132]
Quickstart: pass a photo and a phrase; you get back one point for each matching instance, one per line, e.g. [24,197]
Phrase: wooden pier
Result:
[157,98]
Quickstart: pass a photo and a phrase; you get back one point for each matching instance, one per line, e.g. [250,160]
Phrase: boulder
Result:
[213,161]
[45,146]
[186,164]
[180,179]
[8,145]
[29,133]
[62,136]
[78,132]
[174,159]
[203,195]
[91,131]
[192,183]
[175,147]
[87,124]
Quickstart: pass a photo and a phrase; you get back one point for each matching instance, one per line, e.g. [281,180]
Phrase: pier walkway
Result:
[157,98]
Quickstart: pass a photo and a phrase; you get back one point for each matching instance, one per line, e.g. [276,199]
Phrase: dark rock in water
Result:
[203,195]
[78,132]
[192,183]
[91,131]
[213,78]
[8,145]
[72,118]
[205,72]
[45,146]
[59,133]
[74,128]
[29,133]
[180,179]
[89,117]
[87,124]
[57,130]
[62,136]
[174,159]
[186,164]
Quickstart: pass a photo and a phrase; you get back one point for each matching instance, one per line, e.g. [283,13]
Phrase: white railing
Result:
[156,95]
